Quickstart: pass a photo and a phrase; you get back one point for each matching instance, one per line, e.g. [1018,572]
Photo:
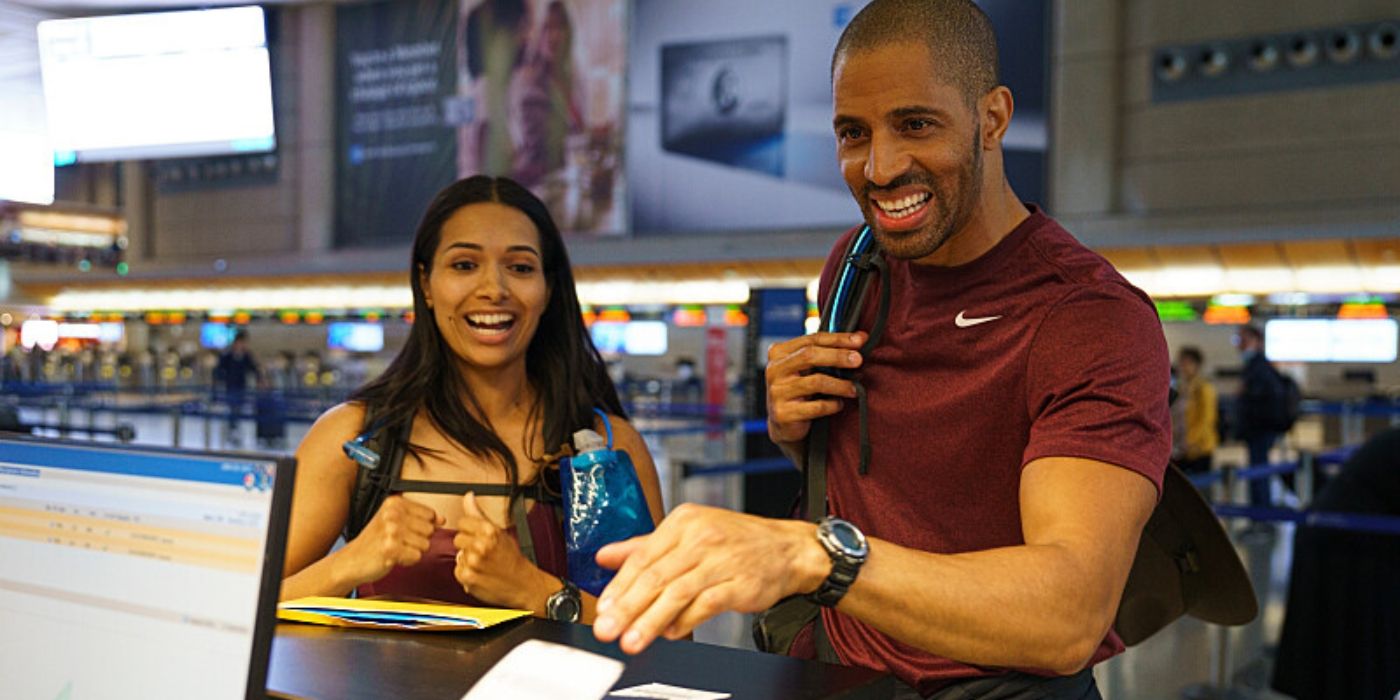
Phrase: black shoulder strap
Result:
[861,257]
[372,485]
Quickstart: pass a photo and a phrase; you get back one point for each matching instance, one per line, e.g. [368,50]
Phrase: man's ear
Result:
[996,108]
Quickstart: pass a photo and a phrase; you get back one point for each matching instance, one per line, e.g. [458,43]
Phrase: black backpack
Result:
[1286,407]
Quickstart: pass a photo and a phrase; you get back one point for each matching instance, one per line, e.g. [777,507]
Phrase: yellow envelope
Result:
[393,615]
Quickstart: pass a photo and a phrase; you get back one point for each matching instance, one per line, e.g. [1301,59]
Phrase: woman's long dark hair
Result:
[562,364]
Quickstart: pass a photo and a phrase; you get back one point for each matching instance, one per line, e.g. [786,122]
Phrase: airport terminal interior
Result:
[208,214]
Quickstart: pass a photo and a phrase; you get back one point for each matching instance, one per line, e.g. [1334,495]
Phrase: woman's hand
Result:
[491,568]
[397,535]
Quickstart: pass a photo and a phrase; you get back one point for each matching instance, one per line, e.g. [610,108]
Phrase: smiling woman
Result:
[497,373]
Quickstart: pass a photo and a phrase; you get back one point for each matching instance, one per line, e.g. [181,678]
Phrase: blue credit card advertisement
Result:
[726,101]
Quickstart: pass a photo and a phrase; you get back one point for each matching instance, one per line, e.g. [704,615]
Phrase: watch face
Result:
[567,610]
[564,606]
[848,537]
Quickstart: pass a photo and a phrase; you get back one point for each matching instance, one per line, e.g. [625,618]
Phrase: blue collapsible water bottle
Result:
[604,504]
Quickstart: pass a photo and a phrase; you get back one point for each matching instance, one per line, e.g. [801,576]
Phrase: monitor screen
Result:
[143,573]
[644,338]
[42,332]
[355,337]
[1330,340]
[216,336]
[608,336]
[629,337]
[157,85]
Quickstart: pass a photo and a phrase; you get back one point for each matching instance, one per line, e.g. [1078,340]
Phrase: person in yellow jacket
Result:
[1194,417]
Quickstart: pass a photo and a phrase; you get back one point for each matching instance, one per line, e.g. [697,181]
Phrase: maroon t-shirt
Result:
[1039,348]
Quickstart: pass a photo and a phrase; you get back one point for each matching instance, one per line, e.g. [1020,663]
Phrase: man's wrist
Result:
[809,563]
[537,600]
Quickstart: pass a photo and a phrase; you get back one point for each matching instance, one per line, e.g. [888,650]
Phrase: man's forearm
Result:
[1019,607]
[1045,604]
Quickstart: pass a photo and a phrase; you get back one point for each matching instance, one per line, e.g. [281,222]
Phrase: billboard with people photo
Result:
[430,92]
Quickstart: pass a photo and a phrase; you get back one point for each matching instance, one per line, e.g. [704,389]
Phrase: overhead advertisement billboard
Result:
[429,92]
[729,123]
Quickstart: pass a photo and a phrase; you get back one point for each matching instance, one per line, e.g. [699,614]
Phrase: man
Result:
[1261,393]
[1017,409]
[1195,438]
[235,364]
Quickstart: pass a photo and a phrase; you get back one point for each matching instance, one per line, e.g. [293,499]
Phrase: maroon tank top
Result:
[432,576]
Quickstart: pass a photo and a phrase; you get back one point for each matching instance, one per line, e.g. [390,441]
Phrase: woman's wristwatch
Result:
[565,605]
[846,546]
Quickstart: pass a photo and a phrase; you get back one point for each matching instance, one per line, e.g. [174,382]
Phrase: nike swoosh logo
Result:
[964,322]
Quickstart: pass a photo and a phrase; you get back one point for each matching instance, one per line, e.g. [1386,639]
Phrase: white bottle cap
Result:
[588,441]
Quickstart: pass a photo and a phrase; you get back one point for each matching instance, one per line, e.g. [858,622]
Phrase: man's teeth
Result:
[903,206]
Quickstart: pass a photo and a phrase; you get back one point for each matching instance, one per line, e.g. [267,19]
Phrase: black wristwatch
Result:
[565,605]
[846,546]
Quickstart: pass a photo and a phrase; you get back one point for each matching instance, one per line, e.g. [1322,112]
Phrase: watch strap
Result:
[834,588]
[844,567]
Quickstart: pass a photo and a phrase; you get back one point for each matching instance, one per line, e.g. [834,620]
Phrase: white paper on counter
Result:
[537,670]
[661,691]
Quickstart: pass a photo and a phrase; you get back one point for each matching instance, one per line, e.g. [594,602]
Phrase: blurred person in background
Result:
[1194,437]
[236,364]
[544,94]
[1261,393]
[494,35]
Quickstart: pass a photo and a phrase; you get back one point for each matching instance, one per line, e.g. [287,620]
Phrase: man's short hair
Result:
[1193,353]
[958,35]
[1249,331]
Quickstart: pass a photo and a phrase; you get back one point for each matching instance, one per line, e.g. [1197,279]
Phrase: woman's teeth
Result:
[490,323]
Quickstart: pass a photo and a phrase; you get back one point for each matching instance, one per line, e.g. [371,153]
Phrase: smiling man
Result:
[985,517]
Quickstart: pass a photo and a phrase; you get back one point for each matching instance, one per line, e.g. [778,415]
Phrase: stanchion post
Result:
[1307,462]
[175,427]
[1222,662]
[1227,481]
[63,417]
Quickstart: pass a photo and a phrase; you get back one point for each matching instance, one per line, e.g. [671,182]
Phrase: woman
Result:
[545,99]
[497,373]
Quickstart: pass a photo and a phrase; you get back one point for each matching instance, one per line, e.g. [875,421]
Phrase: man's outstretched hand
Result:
[700,562]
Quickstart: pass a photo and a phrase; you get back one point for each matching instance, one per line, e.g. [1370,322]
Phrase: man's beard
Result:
[948,215]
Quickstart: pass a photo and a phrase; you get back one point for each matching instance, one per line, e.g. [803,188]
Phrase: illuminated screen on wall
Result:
[355,337]
[216,336]
[1330,340]
[629,338]
[158,85]
[729,122]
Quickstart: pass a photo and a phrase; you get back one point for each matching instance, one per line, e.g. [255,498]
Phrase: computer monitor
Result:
[136,572]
